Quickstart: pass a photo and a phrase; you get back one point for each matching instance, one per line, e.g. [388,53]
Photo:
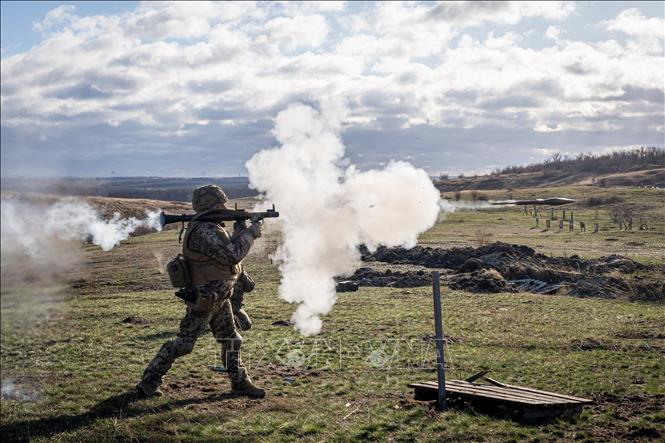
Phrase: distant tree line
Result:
[157,188]
[174,194]
[620,161]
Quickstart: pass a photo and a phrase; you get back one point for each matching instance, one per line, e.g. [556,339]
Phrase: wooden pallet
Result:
[526,403]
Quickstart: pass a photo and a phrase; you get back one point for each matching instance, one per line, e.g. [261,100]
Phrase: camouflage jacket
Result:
[213,241]
[214,257]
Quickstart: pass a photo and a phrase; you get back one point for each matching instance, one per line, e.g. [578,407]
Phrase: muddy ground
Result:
[502,267]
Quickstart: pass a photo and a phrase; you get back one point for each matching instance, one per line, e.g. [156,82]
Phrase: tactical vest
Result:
[203,269]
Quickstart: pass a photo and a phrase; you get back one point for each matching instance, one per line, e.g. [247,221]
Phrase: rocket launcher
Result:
[556,201]
[219,216]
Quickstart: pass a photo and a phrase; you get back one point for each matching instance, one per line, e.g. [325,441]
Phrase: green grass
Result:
[80,361]
[507,224]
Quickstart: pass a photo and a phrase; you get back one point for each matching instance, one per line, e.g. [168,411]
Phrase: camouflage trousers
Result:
[220,319]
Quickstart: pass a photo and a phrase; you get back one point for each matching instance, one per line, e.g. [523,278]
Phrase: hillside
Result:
[106,206]
[650,178]
[639,167]
[156,188]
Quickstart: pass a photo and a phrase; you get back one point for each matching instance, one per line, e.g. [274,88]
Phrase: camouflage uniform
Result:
[215,266]
[244,284]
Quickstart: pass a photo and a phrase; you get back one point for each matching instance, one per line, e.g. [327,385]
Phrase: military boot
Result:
[147,389]
[247,388]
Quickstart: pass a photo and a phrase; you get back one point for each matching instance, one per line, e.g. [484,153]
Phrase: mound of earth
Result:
[482,280]
[608,277]
[387,278]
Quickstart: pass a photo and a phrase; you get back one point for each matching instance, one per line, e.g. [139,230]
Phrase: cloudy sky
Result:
[190,89]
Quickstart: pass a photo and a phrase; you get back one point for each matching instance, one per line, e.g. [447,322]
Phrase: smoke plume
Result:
[327,209]
[11,391]
[464,205]
[29,228]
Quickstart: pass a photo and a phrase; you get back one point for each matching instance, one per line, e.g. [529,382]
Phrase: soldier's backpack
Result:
[179,272]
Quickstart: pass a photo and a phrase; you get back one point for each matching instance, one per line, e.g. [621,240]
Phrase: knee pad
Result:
[180,346]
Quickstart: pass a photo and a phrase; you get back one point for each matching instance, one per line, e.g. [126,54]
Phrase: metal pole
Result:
[438,331]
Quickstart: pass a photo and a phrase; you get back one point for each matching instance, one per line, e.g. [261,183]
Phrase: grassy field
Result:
[507,224]
[71,356]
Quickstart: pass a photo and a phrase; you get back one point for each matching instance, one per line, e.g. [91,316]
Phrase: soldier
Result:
[213,258]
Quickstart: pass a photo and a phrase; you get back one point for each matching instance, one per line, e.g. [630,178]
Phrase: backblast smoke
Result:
[327,208]
[39,250]
[29,228]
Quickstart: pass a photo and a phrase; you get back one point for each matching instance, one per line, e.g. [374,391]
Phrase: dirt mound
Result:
[387,278]
[482,280]
[135,320]
[504,257]
[607,277]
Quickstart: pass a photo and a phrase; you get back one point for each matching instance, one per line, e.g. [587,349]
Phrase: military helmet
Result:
[207,197]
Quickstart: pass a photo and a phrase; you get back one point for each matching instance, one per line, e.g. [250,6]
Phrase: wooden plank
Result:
[427,393]
[540,392]
[520,394]
[505,391]
[510,393]
[496,396]
[527,403]
[554,394]
[494,382]
[492,395]
[477,376]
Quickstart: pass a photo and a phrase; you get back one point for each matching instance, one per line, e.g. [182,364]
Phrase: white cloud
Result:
[632,22]
[472,13]
[308,7]
[298,32]
[554,33]
[543,152]
[645,34]
[55,17]
[196,71]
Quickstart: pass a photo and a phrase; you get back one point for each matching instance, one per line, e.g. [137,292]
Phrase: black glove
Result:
[255,227]
[246,282]
[239,225]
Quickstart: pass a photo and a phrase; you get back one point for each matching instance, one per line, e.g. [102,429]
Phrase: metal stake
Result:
[438,331]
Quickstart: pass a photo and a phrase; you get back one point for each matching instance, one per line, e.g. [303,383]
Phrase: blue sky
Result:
[191,89]
[18,17]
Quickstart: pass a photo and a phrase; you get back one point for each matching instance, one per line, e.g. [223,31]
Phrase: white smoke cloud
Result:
[448,205]
[39,254]
[11,391]
[327,209]
[29,228]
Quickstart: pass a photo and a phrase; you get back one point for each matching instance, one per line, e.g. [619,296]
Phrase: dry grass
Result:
[76,366]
